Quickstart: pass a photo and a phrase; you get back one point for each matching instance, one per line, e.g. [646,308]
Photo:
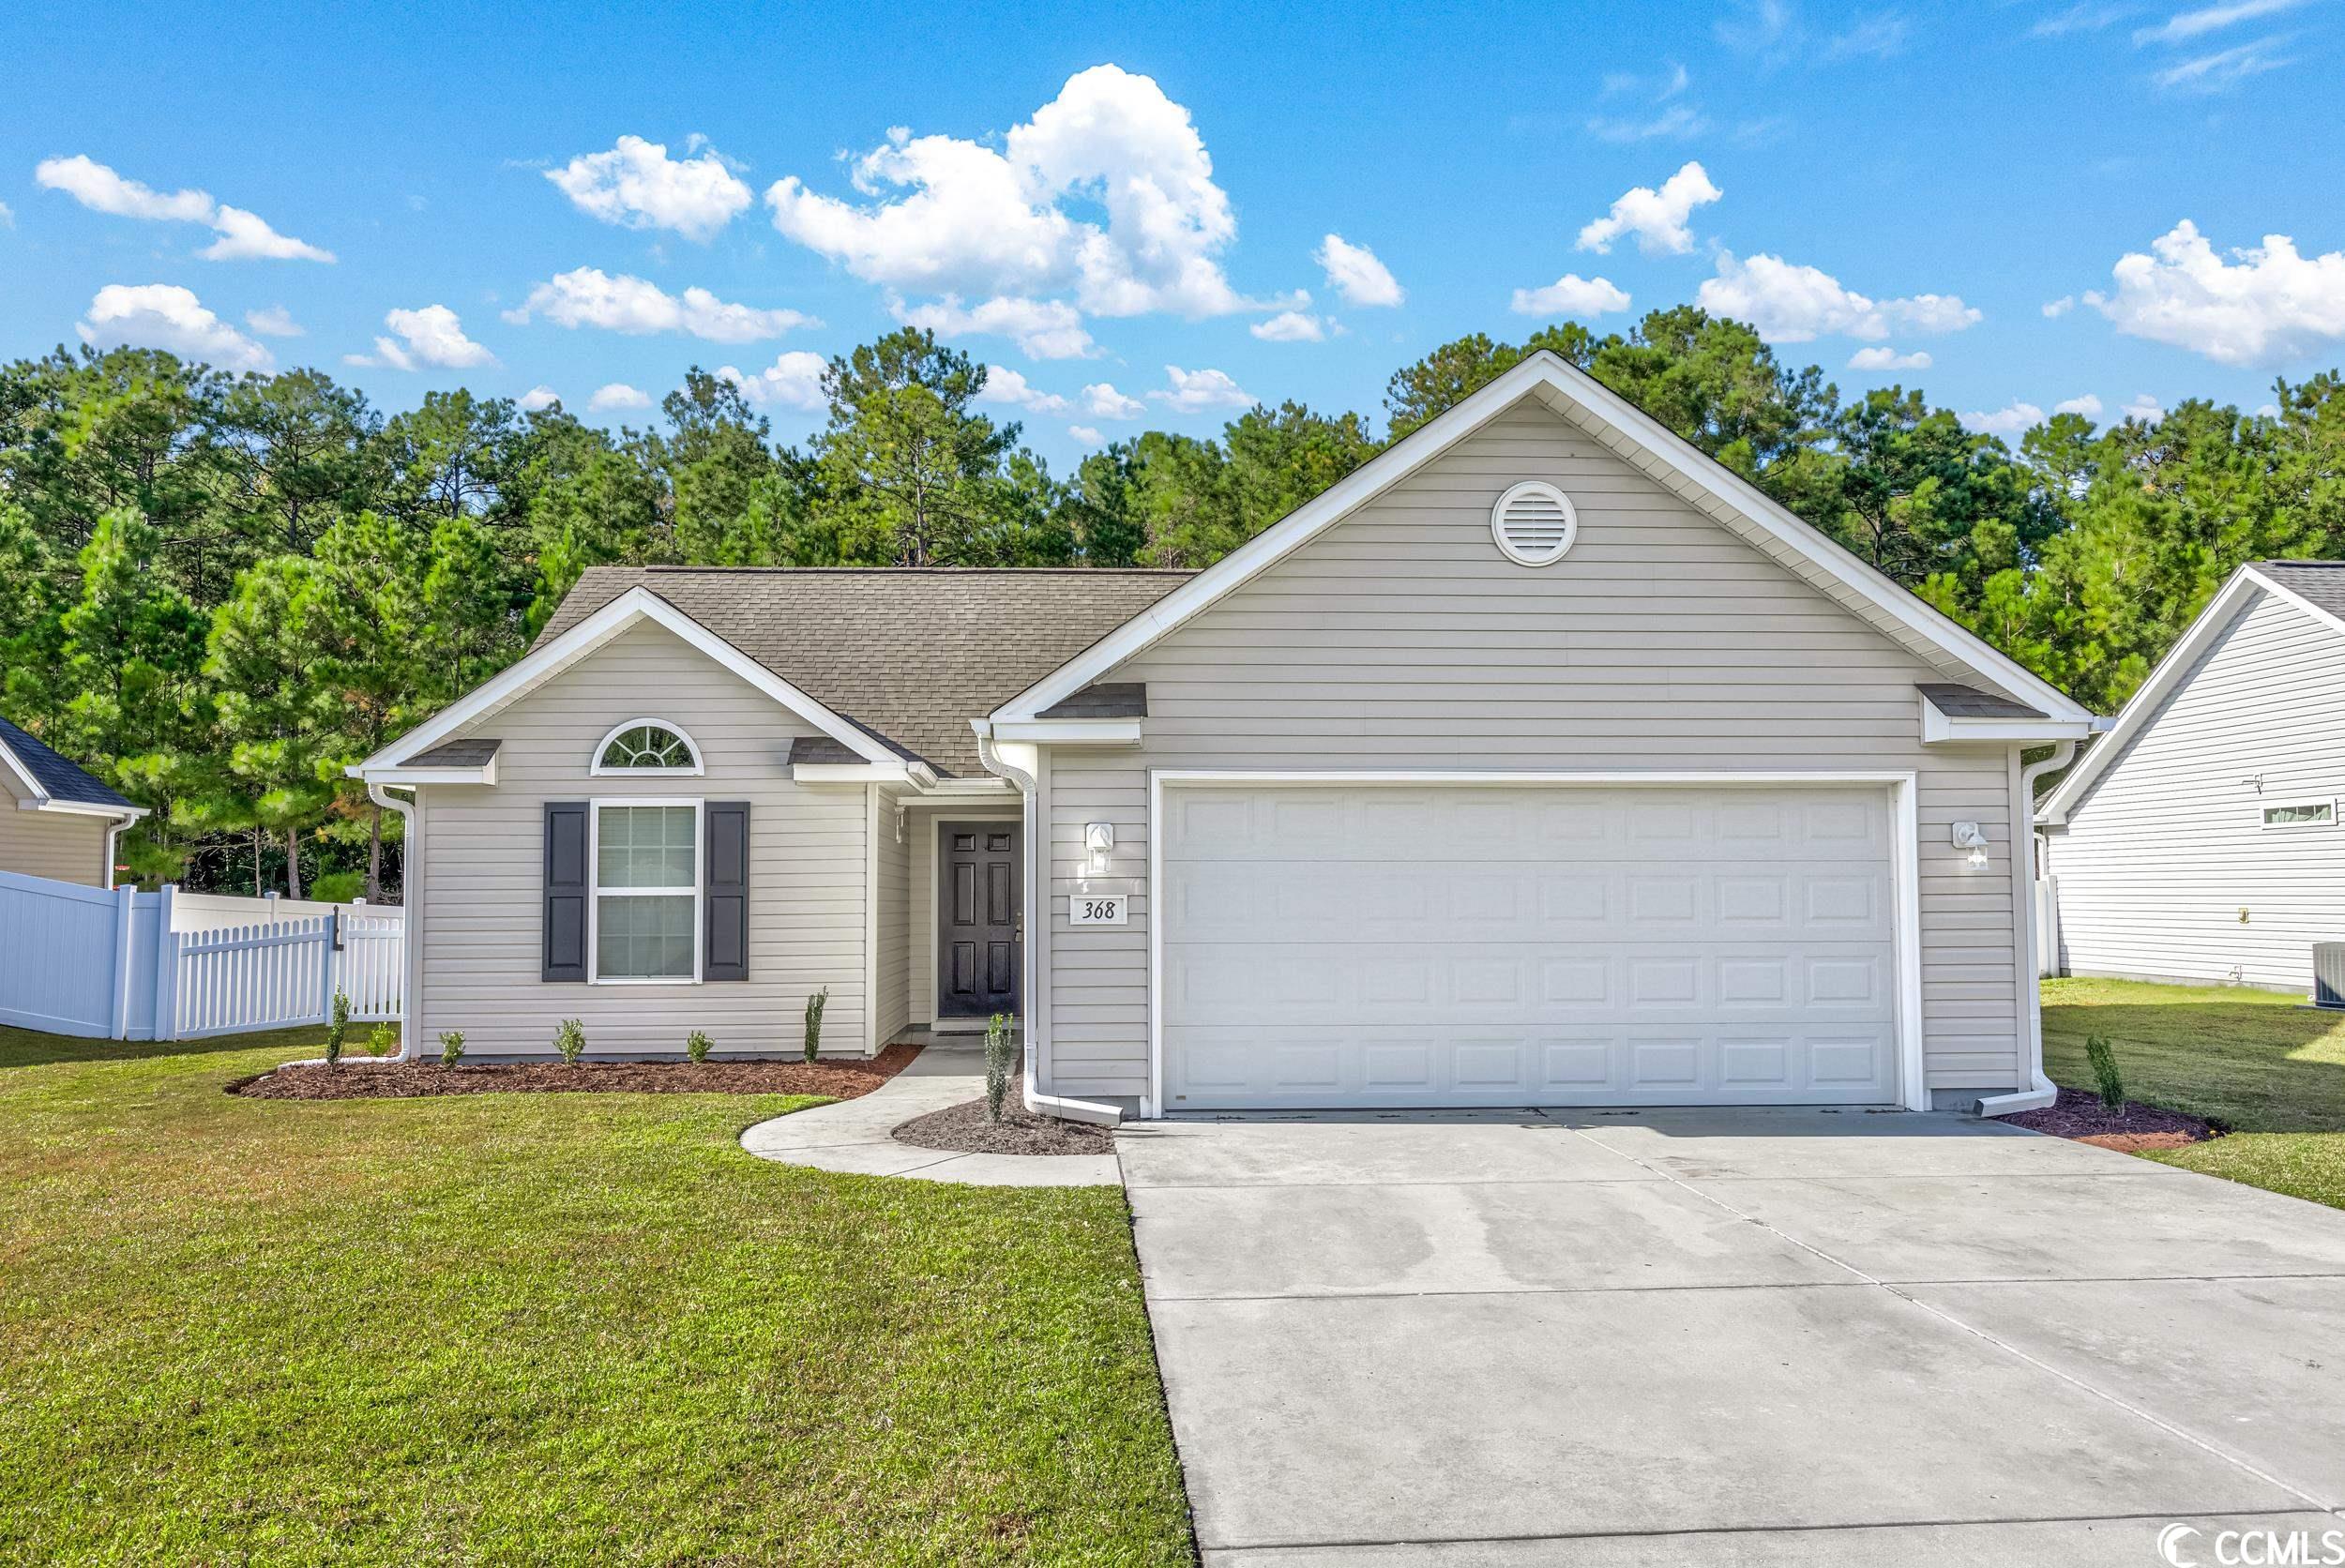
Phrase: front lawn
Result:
[537,1329]
[2272,1069]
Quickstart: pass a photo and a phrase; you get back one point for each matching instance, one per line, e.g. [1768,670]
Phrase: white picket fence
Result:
[120,965]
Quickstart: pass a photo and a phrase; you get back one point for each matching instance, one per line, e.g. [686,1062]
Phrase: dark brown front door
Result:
[979,920]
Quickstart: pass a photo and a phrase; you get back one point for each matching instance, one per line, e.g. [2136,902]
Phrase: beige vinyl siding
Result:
[1401,639]
[891,862]
[62,845]
[925,849]
[2167,849]
[484,853]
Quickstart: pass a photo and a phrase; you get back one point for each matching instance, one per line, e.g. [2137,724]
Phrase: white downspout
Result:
[2041,1091]
[1037,851]
[114,838]
[411,881]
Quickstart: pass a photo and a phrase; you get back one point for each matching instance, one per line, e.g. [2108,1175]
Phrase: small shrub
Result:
[2103,1062]
[1000,1056]
[570,1040]
[337,1030]
[384,1041]
[814,1005]
[697,1046]
[451,1047]
[337,887]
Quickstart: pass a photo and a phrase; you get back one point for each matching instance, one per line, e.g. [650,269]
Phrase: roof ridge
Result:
[902,571]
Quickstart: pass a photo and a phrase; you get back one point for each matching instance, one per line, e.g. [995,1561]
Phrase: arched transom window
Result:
[647,745]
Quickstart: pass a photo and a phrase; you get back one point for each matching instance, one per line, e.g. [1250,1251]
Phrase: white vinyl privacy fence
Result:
[123,965]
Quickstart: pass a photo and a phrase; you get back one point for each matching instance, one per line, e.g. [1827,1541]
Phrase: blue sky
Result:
[1087,199]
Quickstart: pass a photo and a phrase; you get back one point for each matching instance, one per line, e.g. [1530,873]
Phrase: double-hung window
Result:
[646,891]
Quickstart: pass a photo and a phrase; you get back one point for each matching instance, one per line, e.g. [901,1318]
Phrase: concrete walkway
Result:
[1790,1337]
[852,1135]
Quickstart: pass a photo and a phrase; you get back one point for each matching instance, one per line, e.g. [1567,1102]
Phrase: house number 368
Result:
[1095,911]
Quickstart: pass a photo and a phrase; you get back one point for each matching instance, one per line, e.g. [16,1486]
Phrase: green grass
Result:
[2259,1062]
[540,1329]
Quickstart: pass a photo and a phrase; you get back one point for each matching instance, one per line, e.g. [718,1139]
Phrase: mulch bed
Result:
[965,1129]
[2082,1116]
[363,1079]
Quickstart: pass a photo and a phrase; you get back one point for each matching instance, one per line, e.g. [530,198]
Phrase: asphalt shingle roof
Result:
[910,656]
[1106,700]
[2319,583]
[1961,702]
[58,779]
[456,754]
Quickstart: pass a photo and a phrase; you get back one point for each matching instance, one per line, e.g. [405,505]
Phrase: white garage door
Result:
[1517,946]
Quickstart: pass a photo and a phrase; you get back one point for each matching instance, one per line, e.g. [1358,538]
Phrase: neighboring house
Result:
[2200,839]
[56,821]
[1540,761]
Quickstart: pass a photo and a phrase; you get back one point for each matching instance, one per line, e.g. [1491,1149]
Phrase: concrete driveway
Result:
[1796,1338]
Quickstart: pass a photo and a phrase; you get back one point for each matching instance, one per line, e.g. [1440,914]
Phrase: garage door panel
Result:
[1512,945]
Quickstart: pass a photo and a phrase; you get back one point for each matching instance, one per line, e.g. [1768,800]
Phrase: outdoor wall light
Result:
[1969,835]
[1098,839]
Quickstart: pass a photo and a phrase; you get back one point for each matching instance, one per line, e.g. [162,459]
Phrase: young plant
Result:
[337,1030]
[697,1046]
[384,1041]
[814,1005]
[1001,1055]
[2103,1062]
[451,1047]
[570,1040]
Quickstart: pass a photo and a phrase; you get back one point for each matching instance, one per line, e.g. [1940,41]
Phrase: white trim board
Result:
[2230,602]
[595,894]
[1905,865]
[542,664]
[940,812]
[1616,423]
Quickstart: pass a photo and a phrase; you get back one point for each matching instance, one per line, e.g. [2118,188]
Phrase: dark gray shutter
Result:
[566,891]
[725,944]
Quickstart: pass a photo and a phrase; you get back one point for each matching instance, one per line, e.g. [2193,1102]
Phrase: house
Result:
[2200,839]
[1540,761]
[55,820]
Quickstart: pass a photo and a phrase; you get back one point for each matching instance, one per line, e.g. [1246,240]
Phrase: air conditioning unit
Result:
[2328,974]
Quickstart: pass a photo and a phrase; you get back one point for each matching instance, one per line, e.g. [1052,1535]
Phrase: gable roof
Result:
[1632,436]
[2315,587]
[51,781]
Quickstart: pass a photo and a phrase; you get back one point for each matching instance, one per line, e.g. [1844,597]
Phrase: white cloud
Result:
[1676,123]
[1657,218]
[1006,386]
[948,214]
[2224,69]
[243,236]
[1885,358]
[1354,272]
[2087,405]
[1194,391]
[2055,308]
[8,216]
[1290,327]
[273,321]
[1085,434]
[538,399]
[1042,329]
[617,394]
[2144,407]
[166,316]
[1104,402]
[2085,17]
[430,337]
[636,185]
[2210,19]
[793,380]
[2264,307]
[1792,304]
[588,296]
[2010,422]
[1569,296]
[1874,38]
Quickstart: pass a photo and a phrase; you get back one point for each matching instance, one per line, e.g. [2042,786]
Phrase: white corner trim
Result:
[637,604]
[1906,868]
[1940,728]
[594,762]
[1600,405]
[2220,611]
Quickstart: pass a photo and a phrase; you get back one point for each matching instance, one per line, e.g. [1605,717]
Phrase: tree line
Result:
[218,591]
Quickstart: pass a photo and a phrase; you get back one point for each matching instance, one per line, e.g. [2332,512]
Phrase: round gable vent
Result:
[1534,523]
